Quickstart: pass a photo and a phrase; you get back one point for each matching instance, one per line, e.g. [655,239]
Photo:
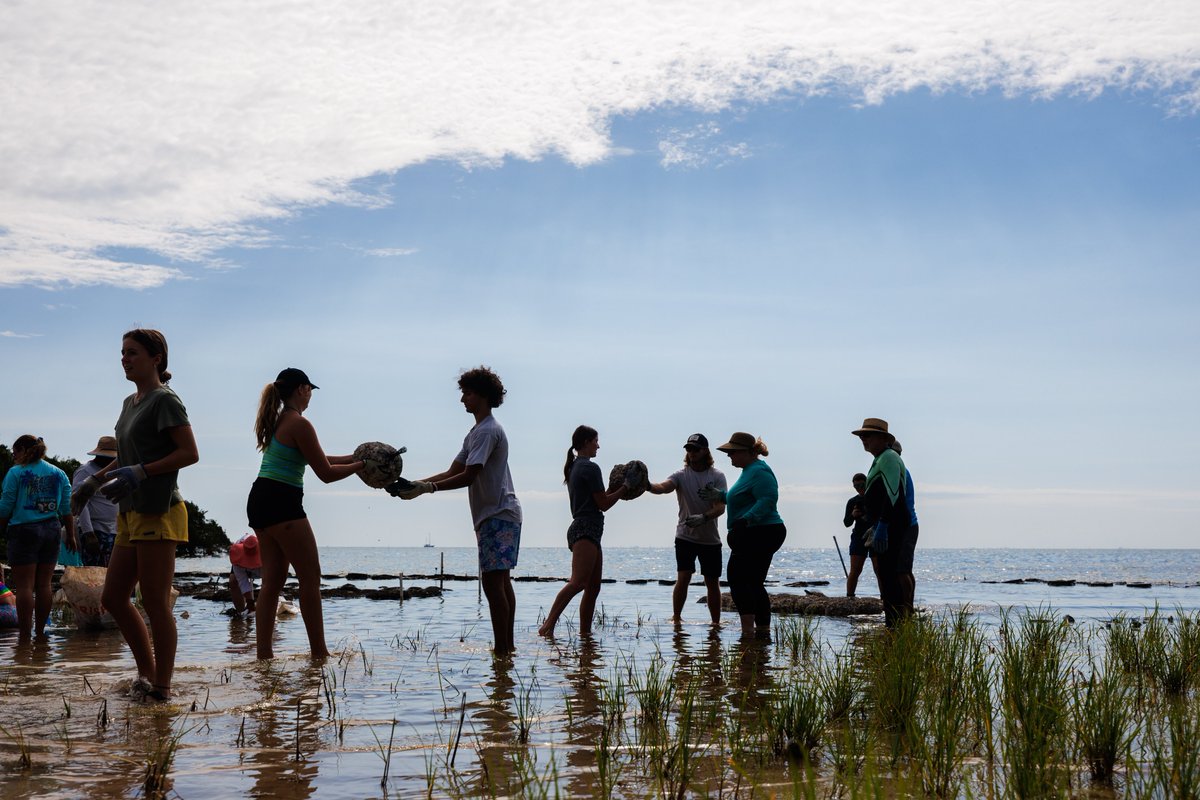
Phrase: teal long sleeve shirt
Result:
[754,496]
[35,492]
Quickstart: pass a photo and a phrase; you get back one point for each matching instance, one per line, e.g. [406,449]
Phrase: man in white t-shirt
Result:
[482,466]
[696,534]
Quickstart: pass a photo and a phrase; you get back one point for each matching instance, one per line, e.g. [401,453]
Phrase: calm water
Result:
[425,662]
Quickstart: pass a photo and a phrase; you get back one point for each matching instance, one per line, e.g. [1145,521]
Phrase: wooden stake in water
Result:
[442,573]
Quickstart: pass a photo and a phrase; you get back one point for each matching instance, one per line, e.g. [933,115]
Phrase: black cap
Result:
[294,377]
[696,440]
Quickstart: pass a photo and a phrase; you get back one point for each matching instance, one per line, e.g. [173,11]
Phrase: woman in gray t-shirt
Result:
[589,501]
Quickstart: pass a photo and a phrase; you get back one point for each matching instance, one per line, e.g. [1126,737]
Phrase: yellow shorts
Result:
[169,527]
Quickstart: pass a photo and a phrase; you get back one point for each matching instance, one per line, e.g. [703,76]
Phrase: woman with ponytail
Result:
[756,530]
[154,442]
[589,501]
[275,507]
[36,499]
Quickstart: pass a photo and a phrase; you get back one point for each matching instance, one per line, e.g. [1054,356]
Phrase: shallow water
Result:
[295,729]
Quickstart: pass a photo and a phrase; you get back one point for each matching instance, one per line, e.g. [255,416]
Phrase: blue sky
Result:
[997,259]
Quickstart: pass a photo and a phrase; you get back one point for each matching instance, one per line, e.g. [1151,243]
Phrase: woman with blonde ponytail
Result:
[275,507]
[756,530]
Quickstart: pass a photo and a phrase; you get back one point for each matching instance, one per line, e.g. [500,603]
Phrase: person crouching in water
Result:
[276,505]
[245,568]
[696,534]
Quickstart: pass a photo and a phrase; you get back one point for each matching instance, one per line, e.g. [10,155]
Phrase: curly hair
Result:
[485,383]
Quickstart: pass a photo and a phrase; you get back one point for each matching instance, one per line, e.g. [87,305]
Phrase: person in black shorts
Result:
[856,515]
[696,534]
[275,507]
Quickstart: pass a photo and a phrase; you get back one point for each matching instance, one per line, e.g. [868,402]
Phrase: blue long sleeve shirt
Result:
[754,496]
[35,492]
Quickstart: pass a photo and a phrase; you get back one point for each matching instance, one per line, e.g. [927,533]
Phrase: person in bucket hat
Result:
[246,568]
[888,515]
[756,531]
[96,522]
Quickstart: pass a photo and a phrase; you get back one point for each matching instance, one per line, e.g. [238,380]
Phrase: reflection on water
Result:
[294,728]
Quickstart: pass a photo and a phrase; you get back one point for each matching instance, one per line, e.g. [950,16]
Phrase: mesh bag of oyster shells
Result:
[641,478]
[383,463]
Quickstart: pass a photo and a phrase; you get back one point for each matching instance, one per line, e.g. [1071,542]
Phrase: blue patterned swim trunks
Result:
[499,543]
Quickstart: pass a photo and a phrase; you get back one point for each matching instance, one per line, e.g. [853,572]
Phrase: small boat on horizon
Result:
[428,542]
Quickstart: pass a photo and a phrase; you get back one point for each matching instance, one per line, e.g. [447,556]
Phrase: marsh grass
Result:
[24,753]
[1105,717]
[156,780]
[1035,665]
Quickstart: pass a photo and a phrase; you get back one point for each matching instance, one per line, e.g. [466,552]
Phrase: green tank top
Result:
[282,463]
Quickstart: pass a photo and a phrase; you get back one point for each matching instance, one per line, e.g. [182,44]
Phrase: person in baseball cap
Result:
[697,537]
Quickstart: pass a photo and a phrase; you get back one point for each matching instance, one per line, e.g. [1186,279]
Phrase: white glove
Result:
[695,520]
[417,489]
[711,493]
[123,481]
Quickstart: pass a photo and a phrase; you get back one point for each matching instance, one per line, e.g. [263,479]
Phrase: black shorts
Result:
[857,548]
[272,502]
[687,552]
[590,527]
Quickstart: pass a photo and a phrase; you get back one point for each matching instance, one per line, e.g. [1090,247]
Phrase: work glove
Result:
[879,542]
[711,493]
[397,486]
[81,494]
[122,482]
[415,490]
[695,520]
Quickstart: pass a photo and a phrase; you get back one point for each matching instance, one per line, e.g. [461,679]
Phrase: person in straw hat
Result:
[756,530]
[246,568]
[96,523]
[887,512]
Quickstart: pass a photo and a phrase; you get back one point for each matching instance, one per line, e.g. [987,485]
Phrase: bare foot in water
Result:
[547,629]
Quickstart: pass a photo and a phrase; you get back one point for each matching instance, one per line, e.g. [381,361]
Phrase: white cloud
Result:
[15,335]
[173,130]
[698,147]
[391,252]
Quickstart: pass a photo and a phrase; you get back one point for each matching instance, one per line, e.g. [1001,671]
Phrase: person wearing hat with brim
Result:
[887,513]
[96,523]
[756,531]
[275,507]
[697,537]
[245,568]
